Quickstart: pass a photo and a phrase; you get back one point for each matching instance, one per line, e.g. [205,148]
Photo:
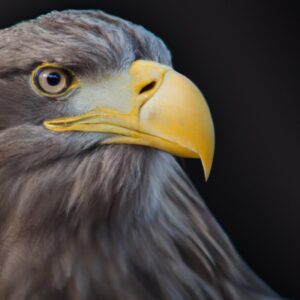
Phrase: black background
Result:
[244,55]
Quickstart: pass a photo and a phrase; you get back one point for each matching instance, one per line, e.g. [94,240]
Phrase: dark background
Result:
[244,55]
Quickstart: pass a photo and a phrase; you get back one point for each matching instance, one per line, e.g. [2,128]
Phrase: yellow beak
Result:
[156,107]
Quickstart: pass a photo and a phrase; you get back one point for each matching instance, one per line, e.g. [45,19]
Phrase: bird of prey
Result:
[93,204]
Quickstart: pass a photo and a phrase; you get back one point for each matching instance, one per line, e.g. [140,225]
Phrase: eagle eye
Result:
[53,80]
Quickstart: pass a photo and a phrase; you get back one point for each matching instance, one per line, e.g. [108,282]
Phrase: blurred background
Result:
[244,55]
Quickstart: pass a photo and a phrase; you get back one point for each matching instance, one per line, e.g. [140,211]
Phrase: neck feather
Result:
[116,222]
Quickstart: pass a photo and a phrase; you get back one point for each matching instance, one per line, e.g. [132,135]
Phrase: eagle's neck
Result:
[115,223]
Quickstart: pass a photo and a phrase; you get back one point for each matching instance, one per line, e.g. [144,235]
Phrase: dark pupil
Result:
[53,79]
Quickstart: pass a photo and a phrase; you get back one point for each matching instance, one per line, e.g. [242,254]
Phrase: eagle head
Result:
[92,203]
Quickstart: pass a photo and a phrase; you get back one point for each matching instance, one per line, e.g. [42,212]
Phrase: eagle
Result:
[93,203]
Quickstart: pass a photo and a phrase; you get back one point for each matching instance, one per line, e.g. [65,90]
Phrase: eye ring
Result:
[54,81]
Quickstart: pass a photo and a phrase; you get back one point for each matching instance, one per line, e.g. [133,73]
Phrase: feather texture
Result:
[113,222]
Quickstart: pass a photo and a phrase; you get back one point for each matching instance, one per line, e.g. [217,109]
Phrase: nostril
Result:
[148,87]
